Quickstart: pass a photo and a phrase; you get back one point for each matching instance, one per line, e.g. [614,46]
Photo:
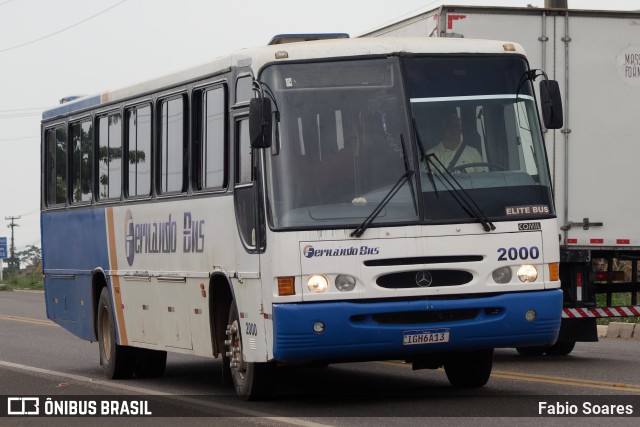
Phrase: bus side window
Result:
[243,147]
[56,166]
[172,145]
[210,153]
[139,151]
[82,162]
[244,91]
[245,190]
[110,156]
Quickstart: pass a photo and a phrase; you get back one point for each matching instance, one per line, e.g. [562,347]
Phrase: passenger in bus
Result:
[448,150]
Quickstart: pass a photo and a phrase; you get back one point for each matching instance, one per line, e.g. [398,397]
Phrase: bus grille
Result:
[424,279]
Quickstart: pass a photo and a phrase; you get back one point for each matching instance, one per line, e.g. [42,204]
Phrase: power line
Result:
[36,211]
[18,115]
[9,140]
[23,109]
[21,112]
[19,138]
[63,29]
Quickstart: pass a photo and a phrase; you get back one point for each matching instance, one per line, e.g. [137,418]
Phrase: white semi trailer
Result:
[594,158]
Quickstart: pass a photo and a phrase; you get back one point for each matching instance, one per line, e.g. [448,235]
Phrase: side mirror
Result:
[551,104]
[260,122]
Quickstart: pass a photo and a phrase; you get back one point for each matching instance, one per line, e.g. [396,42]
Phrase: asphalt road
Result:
[38,358]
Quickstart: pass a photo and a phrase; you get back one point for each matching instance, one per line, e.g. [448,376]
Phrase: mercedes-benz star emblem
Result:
[424,279]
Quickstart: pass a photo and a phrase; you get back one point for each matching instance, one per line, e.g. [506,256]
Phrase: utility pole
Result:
[14,264]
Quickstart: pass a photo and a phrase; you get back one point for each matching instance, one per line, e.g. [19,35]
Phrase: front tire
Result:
[118,362]
[252,381]
[469,369]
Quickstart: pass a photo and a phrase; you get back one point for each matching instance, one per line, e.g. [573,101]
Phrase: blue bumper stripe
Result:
[361,331]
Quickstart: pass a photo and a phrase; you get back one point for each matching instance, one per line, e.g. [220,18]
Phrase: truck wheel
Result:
[469,369]
[150,363]
[117,361]
[532,351]
[252,381]
[560,348]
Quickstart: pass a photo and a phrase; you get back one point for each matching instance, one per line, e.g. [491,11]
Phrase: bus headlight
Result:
[317,283]
[502,275]
[345,283]
[527,273]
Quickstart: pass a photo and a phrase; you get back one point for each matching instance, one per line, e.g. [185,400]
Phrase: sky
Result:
[50,49]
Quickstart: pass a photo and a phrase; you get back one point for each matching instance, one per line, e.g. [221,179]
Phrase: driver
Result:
[446,151]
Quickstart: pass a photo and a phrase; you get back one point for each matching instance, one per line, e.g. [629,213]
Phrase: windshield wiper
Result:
[423,157]
[406,176]
[466,203]
[387,198]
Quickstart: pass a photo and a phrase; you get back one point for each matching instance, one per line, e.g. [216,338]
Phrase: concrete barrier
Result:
[621,330]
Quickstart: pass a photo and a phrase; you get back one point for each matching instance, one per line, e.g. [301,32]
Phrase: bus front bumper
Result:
[351,330]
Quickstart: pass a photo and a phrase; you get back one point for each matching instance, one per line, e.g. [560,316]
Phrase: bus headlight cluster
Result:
[345,283]
[527,273]
[502,275]
[319,283]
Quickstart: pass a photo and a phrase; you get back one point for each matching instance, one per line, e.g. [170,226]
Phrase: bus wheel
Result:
[252,381]
[560,348]
[469,369]
[150,363]
[532,351]
[117,361]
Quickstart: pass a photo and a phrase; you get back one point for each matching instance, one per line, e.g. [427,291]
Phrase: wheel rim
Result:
[234,351]
[106,334]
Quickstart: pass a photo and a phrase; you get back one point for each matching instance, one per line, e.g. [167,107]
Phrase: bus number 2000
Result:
[506,254]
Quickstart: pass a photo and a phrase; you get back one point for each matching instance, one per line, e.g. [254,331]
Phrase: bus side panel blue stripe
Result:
[74,244]
[75,239]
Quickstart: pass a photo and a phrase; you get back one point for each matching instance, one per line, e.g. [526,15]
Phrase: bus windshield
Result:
[348,130]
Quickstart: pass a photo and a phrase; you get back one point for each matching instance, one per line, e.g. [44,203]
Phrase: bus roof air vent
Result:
[292,38]
[70,98]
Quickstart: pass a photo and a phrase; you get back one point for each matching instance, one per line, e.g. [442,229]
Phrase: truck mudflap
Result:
[583,329]
[352,330]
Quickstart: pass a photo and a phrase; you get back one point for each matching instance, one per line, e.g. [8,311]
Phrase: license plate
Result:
[425,336]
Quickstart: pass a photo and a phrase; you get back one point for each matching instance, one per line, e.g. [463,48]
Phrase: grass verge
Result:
[31,281]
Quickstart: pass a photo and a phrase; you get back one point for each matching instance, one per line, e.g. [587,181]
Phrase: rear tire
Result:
[560,348]
[252,381]
[469,369]
[532,351]
[117,361]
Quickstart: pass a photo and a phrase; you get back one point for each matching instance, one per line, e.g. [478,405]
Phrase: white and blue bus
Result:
[301,203]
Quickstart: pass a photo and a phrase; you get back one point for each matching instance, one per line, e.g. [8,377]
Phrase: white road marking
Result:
[141,390]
